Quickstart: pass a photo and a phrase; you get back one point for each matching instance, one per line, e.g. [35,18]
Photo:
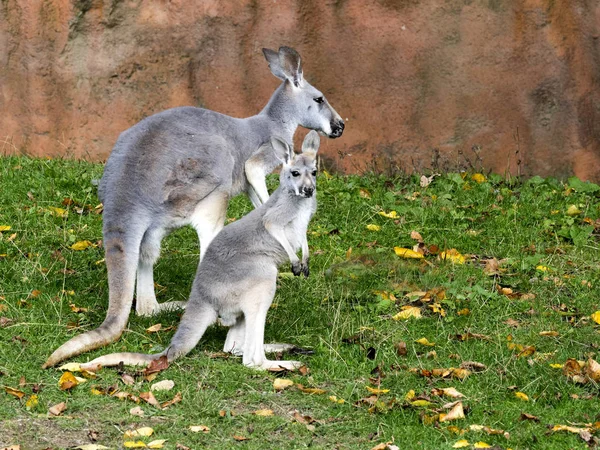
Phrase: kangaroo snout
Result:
[307,191]
[337,128]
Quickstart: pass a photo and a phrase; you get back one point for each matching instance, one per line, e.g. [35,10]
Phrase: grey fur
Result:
[180,167]
[236,280]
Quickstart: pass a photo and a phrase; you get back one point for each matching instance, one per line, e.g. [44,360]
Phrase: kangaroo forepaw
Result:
[305,269]
[297,268]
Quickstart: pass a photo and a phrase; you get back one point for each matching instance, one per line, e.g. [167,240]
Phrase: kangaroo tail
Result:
[121,261]
[129,359]
[193,324]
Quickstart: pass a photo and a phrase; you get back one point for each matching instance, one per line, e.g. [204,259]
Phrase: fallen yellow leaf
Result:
[4,228]
[596,317]
[373,227]
[573,210]
[549,333]
[425,341]
[14,392]
[421,403]
[568,428]
[557,366]
[134,444]
[198,428]
[408,312]
[481,444]
[67,381]
[461,444]
[377,391]
[407,253]
[334,399]
[390,215]
[58,212]
[144,431]
[452,255]
[410,395]
[542,268]
[281,383]
[31,402]
[522,396]
[81,245]
[158,443]
[70,367]
[263,412]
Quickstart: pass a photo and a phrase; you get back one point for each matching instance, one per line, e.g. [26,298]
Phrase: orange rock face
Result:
[423,84]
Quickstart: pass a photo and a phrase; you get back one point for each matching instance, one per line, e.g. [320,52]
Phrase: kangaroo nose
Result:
[337,128]
[308,191]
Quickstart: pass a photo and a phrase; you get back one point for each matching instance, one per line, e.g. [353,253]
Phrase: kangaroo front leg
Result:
[304,267]
[279,234]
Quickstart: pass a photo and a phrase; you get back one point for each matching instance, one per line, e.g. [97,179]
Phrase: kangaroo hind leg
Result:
[122,254]
[234,343]
[208,218]
[255,306]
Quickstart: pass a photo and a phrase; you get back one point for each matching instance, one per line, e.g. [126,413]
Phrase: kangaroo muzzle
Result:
[337,128]
[307,191]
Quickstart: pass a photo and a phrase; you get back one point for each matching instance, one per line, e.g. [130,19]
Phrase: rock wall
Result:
[424,84]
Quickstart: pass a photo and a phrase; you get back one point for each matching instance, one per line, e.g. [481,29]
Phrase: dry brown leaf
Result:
[416,236]
[174,400]
[306,420]
[592,370]
[237,437]
[154,328]
[127,379]
[157,365]
[401,349]
[149,398]
[473,366]
[455,413]
[526,416]
[57,409]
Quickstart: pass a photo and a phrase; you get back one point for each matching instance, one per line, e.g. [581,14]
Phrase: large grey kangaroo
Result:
[180,167]
[237,277]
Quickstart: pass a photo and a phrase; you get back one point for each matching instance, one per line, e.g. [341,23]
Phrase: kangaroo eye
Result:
[319,100]
[295,173]
[314,174]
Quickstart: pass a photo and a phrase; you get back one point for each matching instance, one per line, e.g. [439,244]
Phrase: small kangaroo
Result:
[180,167]
[237,277]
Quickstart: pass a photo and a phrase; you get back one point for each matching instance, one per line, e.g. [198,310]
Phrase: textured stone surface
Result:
[423,83]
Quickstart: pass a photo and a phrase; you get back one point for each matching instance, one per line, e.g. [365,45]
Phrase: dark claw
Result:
[297,268]
[305,269]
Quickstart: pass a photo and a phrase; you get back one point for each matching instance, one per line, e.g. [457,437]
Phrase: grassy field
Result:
[501,314]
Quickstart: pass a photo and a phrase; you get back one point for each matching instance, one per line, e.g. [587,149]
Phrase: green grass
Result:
[524,223]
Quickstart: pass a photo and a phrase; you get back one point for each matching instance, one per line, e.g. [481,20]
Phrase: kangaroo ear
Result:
[290,61]
[272,58]
[283,152]
[311,142]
